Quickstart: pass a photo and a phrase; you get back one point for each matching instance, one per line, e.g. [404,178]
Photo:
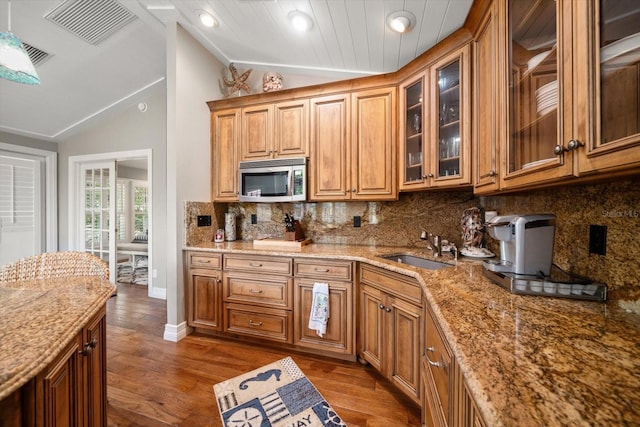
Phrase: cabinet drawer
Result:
[211,261]
[263,290]
[266,323]
[258,264]
[437,357]
[323,269]
[392,283]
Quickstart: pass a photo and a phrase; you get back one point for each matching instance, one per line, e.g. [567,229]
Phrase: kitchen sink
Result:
[416,261]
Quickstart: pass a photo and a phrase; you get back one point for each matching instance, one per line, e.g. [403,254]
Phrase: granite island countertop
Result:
[527,360]
[38,318]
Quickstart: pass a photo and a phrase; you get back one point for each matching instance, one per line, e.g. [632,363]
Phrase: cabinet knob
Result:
[87,349]
[381,307]
[492,173]
[353,190]
[387,309]
[430,175]
[559,149]
[574,144]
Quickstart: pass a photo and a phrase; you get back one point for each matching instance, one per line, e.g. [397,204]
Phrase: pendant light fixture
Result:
[15,64]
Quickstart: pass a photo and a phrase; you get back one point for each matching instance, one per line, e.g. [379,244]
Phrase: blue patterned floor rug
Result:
[278,394]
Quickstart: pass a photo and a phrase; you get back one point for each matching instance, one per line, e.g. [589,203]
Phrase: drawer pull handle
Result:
[207,261]
[322,270]
[255,264]
[434,364]
[252,323]
[255,291]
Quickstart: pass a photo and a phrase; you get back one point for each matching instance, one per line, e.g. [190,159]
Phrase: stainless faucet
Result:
[434,242]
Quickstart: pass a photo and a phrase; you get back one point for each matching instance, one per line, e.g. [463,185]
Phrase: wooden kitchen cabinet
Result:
[258,296]
[435,125]
[329,164]
[438,375]
[225,148]
[203,286]
[339,339]
[373,145]
[390,325]
[353,146]
[275,130]
[572,107]
[486,107]
[446,399]
[72,390]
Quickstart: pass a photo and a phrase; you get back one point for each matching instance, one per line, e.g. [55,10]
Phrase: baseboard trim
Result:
[175,333]
[159,293]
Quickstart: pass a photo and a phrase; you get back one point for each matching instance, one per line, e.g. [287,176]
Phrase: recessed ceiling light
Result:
[401,21]
[300,20]
[207,19]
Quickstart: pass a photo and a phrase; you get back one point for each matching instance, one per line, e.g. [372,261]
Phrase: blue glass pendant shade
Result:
[15,63]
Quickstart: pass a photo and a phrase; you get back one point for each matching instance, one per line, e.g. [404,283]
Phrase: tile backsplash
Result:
[615,205]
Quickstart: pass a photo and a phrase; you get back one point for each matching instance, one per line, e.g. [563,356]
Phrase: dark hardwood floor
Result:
[153,382]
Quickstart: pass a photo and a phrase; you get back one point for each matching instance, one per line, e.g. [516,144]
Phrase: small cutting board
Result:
[280,243]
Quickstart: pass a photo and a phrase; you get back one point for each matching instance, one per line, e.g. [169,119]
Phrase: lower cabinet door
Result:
[260,322]
[60,389]
[206,301]
[407,342]
[95,372]
[372,326]
[340,334]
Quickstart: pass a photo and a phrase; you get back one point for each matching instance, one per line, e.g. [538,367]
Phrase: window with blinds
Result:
[17,193]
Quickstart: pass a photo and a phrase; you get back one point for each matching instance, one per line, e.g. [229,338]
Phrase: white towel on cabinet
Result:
[319,308]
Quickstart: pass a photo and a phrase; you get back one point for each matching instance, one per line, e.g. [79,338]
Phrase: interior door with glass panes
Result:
[98,234]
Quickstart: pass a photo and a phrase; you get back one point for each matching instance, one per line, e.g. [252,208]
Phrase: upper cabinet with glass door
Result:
[611,136]
[573,101]
[450,126]
[412,158]
[435,135]
[539,103]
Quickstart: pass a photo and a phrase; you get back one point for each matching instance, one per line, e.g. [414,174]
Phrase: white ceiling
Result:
[81,83]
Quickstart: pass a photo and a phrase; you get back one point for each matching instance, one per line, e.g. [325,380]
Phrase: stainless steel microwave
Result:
[273,180]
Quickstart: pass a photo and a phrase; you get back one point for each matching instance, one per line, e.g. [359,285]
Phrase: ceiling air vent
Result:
[36,55]
[93,21]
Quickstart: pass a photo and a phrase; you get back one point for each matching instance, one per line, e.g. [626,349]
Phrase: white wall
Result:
[192,80]
[126,131]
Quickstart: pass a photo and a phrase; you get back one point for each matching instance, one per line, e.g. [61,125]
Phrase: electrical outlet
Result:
[598,239]
[357,221]
[204,220]
[254,219]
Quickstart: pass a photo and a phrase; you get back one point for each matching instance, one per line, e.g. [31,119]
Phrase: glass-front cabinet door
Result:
[538,101]
[412,154]
[450,129]
[612,135]
[435,125]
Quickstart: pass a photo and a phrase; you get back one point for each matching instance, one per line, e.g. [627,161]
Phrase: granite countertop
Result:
[528,360]
[38,318]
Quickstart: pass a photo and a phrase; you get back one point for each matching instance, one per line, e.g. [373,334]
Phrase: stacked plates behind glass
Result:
[547,98]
